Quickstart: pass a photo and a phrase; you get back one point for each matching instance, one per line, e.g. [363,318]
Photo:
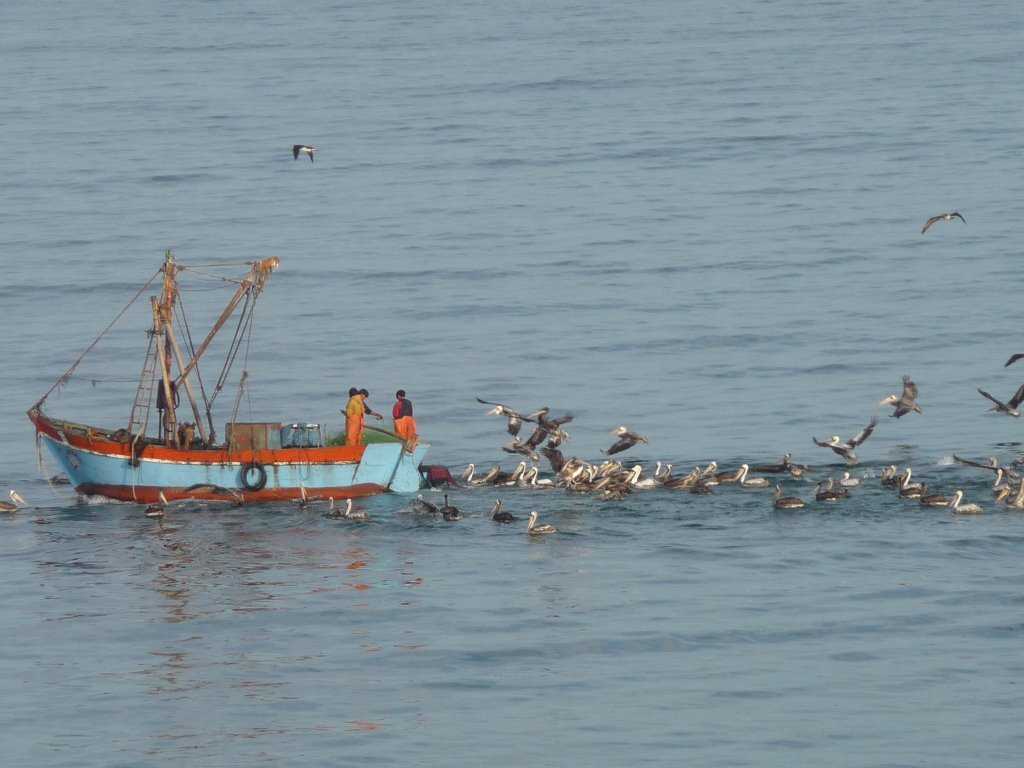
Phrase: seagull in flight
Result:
[940,217]
[906,402]
[1010,406]
[303,149]
[846,449]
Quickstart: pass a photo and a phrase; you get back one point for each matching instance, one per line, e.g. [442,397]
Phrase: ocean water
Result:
[701,221]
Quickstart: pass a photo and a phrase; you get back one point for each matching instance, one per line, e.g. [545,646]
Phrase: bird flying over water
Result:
[846,449]
[1013,359]
[626,440]
[516,446]
[942,217]
[906,402]
[515,419]
[1009,407]
[303,149]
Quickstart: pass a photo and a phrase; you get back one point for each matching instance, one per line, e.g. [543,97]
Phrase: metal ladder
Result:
[139,418]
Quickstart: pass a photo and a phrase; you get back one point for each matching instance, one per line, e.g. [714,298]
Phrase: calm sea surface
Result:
[699,220]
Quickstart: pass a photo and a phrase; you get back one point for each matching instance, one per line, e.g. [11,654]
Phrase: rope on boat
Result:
[67,374]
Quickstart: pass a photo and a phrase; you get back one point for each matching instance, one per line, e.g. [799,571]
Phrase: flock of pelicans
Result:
[612,479]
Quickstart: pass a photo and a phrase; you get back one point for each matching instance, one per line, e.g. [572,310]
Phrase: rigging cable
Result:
[67,374]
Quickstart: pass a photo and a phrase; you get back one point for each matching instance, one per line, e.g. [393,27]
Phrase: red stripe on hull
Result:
[98,443]
[148,495]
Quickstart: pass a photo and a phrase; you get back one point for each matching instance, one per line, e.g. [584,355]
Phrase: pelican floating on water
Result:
[498,516]
[14,504]
[933,500]
[782,465]
[849,482]
[752,482]
[786,502]
[536,530]
[450,512]
[355,514]
[890,476]
[964,509]
[942,217]
[155,510]
[424,507]
[846,449]
[626,440]
[905,402]
[907,489]
[1009,407]
[830,493]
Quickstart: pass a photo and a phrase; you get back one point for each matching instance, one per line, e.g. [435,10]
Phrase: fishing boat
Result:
[176,454]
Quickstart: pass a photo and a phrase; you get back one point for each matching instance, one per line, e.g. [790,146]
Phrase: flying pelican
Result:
[786,502]
[555,458]
[300,149]
[1009,407]
[626,440]
[217,490]
[14,504]
[523,449]
[942,217]
[964,509]
[906,402]
[535,530]
[846,449]
[515,419]
[1013,359]
[501,517]
[156,510]
[549,428]
[449,512]
[421,505]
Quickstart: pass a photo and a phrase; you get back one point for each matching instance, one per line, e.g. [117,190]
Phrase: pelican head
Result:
[16,498]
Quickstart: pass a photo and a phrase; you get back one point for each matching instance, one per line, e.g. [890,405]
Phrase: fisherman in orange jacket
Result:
[405,424]
[354,418]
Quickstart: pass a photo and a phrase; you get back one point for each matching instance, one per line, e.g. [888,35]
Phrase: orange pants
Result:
[405,427]
[354,430]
